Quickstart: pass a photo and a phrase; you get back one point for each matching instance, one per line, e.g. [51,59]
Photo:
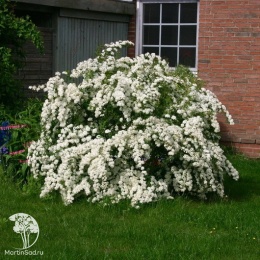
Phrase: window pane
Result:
[151,50]
[169,35]
[170,13]
[151,13]
[188,13]
[187,57]
[170,54]
[188,35]
[151,35]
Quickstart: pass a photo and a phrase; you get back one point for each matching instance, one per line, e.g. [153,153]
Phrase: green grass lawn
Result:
[182,228]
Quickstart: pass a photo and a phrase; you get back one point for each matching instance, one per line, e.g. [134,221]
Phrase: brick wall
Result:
[131,35]
[38,67]
[229,63]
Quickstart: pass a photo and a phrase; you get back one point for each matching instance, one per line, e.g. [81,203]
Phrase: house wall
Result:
[38,67]
[109,6]
[80,34]
[229,63]
[72,32]
[132,33]
[228,60]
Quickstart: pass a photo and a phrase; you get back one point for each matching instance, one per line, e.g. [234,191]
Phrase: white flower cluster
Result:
[130,130]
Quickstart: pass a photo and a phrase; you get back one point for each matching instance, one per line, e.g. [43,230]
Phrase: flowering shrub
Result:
[131,129]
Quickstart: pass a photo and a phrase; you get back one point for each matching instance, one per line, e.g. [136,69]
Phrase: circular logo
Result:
[27,227]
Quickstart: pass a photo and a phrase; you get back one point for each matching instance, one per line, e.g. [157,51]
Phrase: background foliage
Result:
[14,32]
[14,163]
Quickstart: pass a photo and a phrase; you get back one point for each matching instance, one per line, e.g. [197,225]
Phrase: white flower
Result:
[155,146]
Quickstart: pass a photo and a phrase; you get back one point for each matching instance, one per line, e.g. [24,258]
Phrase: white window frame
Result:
[139,26]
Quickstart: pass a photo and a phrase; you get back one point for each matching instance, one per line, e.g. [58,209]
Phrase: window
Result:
[169,29]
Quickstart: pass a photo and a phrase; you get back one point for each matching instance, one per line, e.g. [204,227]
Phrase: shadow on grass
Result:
[248,185]
[243,189]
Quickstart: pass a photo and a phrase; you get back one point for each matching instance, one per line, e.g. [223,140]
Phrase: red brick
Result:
[233,61]
[229,64]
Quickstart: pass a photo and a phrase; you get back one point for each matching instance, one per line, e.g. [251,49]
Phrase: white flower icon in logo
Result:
[25,225]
